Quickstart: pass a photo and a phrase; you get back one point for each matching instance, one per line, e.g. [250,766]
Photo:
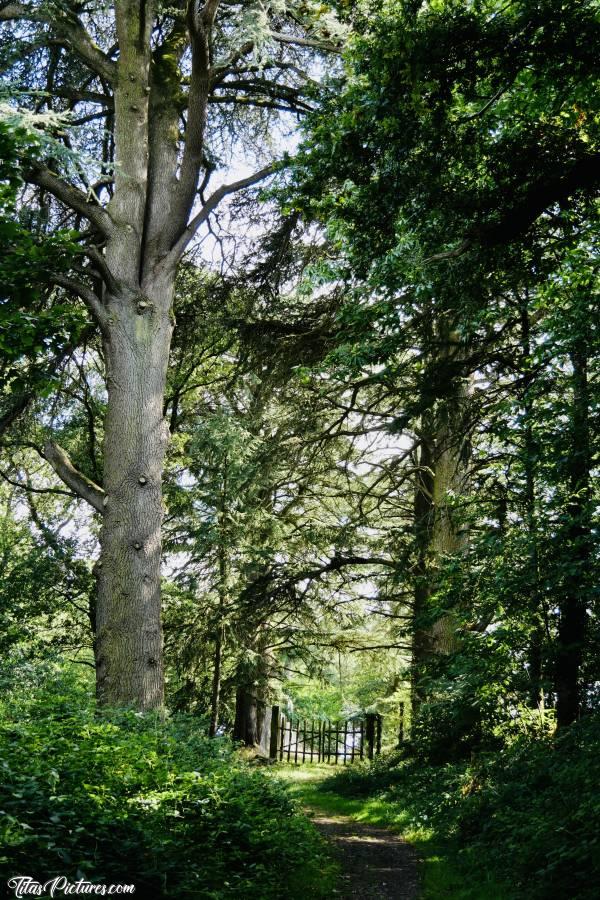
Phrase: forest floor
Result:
[379,854]
[375,863]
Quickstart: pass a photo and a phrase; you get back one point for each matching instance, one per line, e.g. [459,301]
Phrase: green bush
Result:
[126,798]
[535,810]
[529,812]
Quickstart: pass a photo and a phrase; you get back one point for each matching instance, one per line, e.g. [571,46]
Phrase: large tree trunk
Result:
[150,79]
[440,533]
[423,523]
[253,693]
[128,616]
[573,615]
[250,718]
[536,644]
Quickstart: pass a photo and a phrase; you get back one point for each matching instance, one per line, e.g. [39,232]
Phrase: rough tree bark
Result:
[536,644]
[441,480]
[573,614]
[135,243]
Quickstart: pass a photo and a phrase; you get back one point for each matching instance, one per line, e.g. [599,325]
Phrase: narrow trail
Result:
[376,864]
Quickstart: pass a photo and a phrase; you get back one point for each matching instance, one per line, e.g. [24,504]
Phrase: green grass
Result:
[441,878]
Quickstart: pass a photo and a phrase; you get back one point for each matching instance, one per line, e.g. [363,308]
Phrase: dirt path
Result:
[376,864]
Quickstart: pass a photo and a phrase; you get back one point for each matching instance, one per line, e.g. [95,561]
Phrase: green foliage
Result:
[124,797]
[352,685]
[448,162]
[34,323]
[529,810]
[443,123]
[31,250]
[45,589]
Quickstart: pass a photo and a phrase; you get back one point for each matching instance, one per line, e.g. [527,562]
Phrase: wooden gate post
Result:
[274,732]
[379,729]
[401,725]
[370,734]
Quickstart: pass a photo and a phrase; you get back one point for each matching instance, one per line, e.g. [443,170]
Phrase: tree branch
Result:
[27,487]
[199,24]
[71,197]
[304,42]
[450,254]
[70,30]
[212,202]
[99,262]
[84,293]
[584,174]
[72,477]
[208,12]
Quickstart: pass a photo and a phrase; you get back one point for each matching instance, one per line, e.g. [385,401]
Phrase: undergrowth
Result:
[127,798]
[527,815]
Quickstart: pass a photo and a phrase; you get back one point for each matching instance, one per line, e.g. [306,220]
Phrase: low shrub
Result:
[529,812]
[127,798]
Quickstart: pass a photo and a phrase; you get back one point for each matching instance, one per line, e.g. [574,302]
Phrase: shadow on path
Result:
[376,863]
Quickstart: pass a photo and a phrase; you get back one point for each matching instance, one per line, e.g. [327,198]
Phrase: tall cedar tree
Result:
[142,70]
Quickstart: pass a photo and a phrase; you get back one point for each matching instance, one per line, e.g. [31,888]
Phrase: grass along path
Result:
[375,862]
[357,826]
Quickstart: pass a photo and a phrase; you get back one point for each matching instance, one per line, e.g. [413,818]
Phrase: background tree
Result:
[507,165]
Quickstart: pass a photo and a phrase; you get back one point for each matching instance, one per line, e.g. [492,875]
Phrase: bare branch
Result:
[72,477]
[103,268]
[219,72]
[71,197]
[486,106]
[212,202]
[199,23]
[27,487]
[450,254]
[304,42]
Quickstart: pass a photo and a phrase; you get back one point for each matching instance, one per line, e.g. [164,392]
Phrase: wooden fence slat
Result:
[312,738]
[274,734]
[401,725]
[345,739]
[370,734]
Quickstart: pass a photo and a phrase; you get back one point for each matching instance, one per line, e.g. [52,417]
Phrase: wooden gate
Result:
[303,741]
